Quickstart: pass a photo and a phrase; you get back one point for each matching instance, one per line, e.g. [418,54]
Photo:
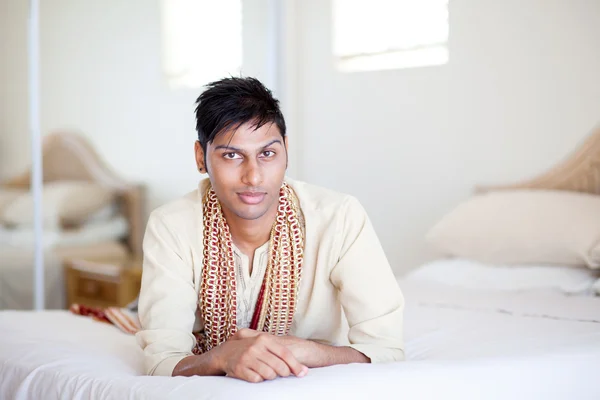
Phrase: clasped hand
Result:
[257,356]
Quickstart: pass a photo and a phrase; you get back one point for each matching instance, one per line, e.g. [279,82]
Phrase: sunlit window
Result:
[389,34]
[202,40]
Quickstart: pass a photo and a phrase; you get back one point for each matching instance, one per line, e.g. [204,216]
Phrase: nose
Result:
[252,175]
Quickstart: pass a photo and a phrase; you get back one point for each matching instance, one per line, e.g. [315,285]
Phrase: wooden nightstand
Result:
[102,283]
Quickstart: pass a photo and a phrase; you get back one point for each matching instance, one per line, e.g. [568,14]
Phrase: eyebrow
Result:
[238,150]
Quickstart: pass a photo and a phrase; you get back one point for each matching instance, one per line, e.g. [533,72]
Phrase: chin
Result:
[250,213]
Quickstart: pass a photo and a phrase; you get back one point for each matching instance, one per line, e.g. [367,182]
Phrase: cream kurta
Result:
[348,295]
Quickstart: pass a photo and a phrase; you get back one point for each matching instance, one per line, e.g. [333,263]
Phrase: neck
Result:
[248,235]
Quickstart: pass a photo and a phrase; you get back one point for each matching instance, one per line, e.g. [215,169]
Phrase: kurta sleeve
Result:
[369,292]
[168,300]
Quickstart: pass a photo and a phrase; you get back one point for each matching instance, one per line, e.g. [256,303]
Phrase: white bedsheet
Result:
[459,345]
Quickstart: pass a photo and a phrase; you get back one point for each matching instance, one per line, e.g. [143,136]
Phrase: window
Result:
[389,34]
[202,40]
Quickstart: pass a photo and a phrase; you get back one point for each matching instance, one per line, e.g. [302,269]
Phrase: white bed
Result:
[460,344]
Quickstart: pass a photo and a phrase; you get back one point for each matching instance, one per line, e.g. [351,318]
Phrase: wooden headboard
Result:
[68,156]
[579,172]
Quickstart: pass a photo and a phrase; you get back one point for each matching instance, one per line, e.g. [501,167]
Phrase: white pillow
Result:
[64,202]
[24,238]
[115,228]
[523,227]
[471,274]
[596,287]
[106,213]
[7,196]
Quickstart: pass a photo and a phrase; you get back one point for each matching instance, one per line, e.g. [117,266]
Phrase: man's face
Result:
[246,168]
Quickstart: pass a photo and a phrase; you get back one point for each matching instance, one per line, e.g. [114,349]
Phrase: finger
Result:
[264,370]
[286,355]
[245,333]
[276,363]
[249,375]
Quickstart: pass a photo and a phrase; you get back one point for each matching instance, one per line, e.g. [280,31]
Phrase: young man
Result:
[255,275]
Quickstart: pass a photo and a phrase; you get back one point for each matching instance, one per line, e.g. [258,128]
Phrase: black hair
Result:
[231,102]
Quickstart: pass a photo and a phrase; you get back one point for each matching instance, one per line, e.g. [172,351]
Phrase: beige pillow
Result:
[526,226]
[64,202]
[7,196]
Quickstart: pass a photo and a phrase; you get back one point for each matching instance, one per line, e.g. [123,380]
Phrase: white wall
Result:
[14,134]
[522,88]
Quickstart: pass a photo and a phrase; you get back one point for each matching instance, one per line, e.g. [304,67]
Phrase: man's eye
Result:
[231,156]
[268,153]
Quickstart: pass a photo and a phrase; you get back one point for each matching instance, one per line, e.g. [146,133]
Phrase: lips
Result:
[252,198]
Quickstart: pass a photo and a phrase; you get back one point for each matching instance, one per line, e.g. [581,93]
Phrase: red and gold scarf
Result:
[277,299]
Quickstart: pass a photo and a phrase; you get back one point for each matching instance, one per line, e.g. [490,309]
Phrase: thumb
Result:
[245,333]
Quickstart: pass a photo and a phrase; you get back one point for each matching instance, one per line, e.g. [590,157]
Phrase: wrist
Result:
[217,361]
[314,354]
[323,355]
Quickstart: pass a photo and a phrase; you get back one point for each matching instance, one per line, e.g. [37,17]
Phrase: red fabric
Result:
[258,308]
[94,312]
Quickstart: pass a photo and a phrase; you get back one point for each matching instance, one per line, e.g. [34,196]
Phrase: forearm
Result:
[323,355]
[203,365]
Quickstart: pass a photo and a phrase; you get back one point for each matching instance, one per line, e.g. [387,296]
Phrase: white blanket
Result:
[459,345]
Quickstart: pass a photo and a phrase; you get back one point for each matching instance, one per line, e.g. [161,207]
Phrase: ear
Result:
[199,153]
[287,154]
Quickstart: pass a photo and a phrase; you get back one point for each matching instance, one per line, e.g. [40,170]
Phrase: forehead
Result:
[247,135]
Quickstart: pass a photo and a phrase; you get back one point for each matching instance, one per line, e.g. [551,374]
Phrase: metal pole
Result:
[36,152]
[274,47]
